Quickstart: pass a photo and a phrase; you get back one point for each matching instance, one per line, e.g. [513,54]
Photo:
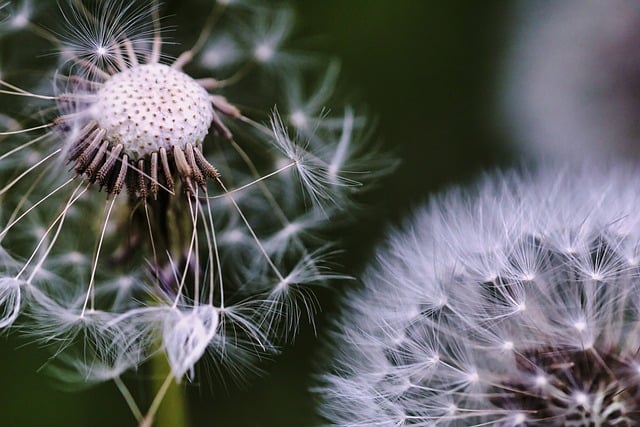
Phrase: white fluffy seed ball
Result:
[152,106]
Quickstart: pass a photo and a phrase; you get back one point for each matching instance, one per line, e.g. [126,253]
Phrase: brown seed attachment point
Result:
[574,388]
[102,162]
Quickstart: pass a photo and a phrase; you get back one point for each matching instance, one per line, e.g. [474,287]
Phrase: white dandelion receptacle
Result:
[143,124]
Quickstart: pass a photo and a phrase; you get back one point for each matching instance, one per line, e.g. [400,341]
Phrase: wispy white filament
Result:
[515,302]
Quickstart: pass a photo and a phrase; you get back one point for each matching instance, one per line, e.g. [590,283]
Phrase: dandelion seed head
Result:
[567,357]
[150,107]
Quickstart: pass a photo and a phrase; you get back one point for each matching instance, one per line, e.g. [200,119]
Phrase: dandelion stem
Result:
[157,400]
[43,33]
[126,394]
[168,407]
[188,55]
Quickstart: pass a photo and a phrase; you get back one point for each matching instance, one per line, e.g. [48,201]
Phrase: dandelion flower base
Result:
[150,107]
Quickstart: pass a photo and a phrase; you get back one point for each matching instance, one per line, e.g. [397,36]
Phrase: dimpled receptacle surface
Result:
[152,106]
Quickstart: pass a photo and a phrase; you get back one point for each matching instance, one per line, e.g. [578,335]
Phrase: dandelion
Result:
[570,83]
[514,304]
[143,211]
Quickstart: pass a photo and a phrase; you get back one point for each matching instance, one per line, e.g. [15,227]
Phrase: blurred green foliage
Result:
[428,73]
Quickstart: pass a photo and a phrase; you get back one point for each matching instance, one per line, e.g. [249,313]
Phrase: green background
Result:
[428,73]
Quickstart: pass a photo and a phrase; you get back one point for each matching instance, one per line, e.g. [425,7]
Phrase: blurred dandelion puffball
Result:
[515,303]
[210,231]
[571,85]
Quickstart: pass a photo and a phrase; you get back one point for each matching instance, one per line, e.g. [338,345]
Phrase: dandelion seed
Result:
[221,53]
[431,341]
[187,336]
[268,34]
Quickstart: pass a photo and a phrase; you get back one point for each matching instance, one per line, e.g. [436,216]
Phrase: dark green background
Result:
[428,71]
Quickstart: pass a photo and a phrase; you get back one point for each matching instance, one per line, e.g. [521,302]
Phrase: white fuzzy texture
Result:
[10,300]
[457,301]
[225,271]
[153,106]
[571,78]
[186,335]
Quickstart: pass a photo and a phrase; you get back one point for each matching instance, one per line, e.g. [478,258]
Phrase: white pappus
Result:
[514,303]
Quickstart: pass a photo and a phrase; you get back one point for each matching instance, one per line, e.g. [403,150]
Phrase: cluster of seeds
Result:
[145,124]
[517,306]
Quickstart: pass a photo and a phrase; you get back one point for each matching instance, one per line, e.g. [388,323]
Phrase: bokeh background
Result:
[428,73]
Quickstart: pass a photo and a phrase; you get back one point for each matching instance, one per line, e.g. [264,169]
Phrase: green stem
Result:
[168,408]
[126,394]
